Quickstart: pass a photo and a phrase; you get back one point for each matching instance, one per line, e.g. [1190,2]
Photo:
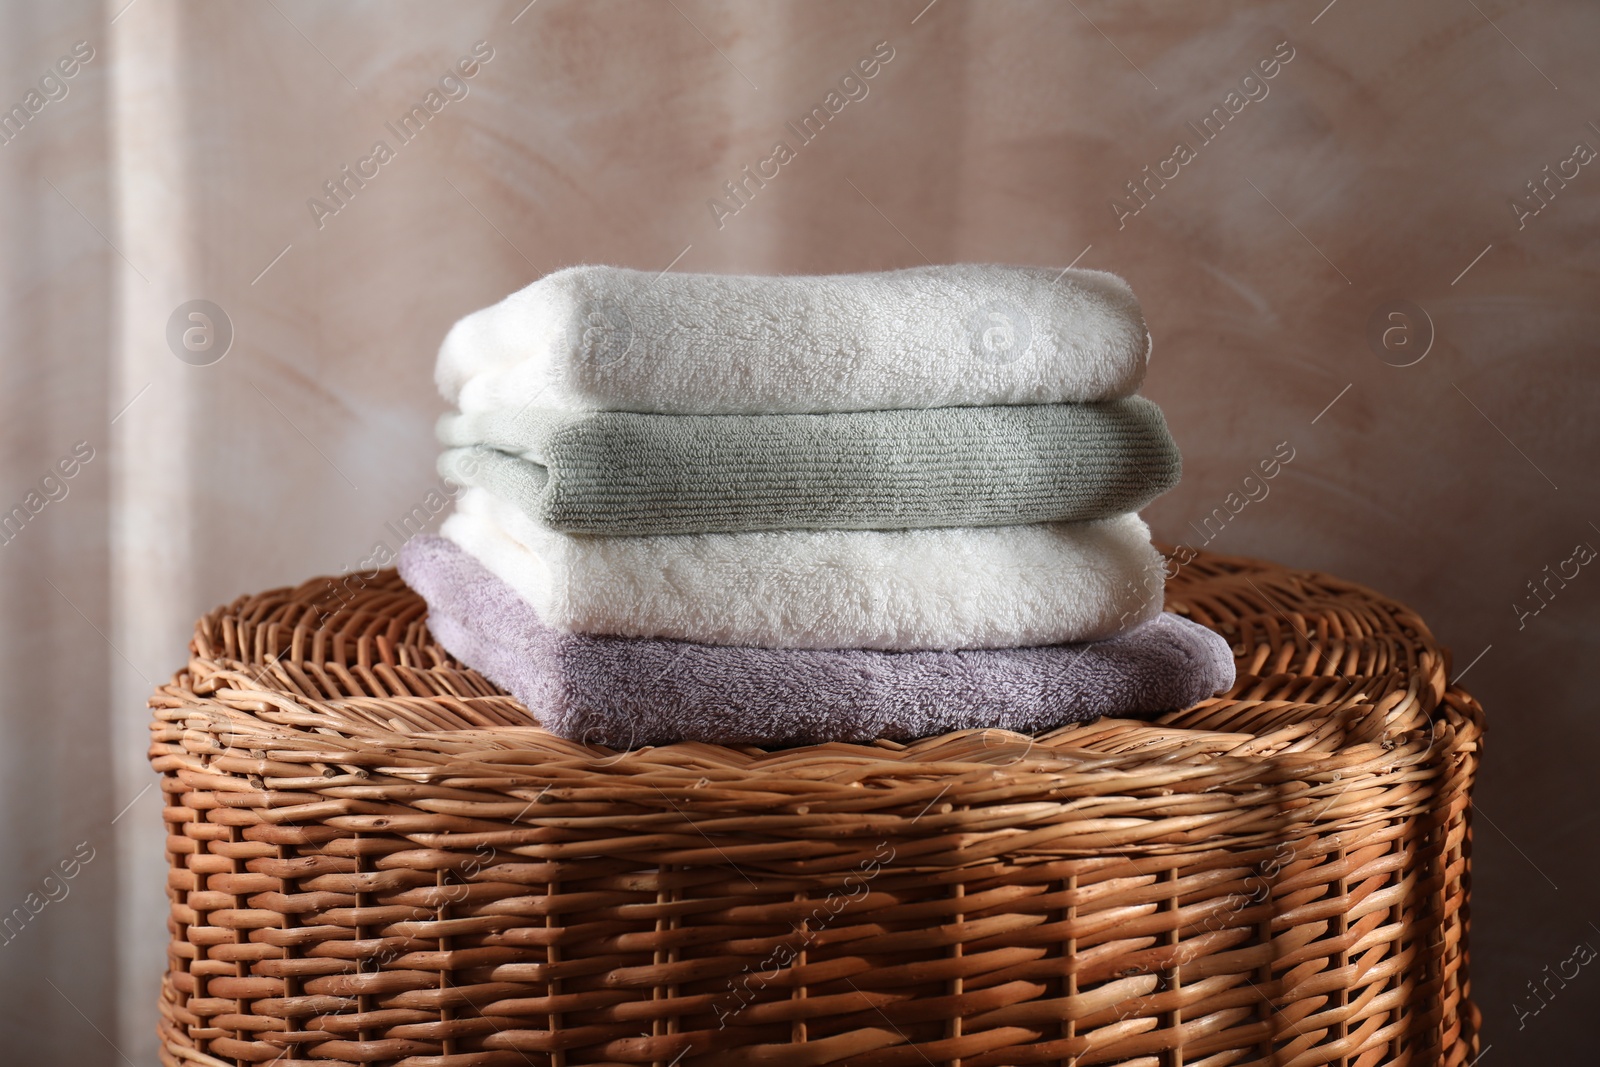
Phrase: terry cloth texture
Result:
[952,588]
[625,473]
[604,338]
[625,692]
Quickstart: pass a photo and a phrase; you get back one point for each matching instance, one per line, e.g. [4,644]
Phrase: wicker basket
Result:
[378,858]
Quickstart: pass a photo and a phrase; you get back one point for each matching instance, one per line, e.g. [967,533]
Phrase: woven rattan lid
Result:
[1341,713]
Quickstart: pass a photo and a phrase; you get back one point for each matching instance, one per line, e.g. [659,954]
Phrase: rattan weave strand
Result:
[378,858]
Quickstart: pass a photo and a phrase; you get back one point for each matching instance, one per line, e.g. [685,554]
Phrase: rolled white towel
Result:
[948,588]
[612,339]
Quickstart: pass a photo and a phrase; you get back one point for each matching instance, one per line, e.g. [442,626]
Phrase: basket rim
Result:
[1349,736]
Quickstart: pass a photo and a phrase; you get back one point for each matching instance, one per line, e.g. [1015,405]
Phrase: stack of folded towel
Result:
[780,510]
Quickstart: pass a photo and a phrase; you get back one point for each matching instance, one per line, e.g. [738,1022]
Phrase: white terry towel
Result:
[949,588]
[611,339]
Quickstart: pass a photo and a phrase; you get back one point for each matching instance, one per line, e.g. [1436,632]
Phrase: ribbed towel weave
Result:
[624,473]
[604,338]
[953,588]
[625,693]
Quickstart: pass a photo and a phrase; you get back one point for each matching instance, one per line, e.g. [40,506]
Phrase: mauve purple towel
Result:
[625,692]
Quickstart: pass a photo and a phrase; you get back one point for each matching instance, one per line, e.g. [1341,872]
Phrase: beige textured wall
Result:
[1378,166]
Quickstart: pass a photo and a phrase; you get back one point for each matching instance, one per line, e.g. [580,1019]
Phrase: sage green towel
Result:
[613,472]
